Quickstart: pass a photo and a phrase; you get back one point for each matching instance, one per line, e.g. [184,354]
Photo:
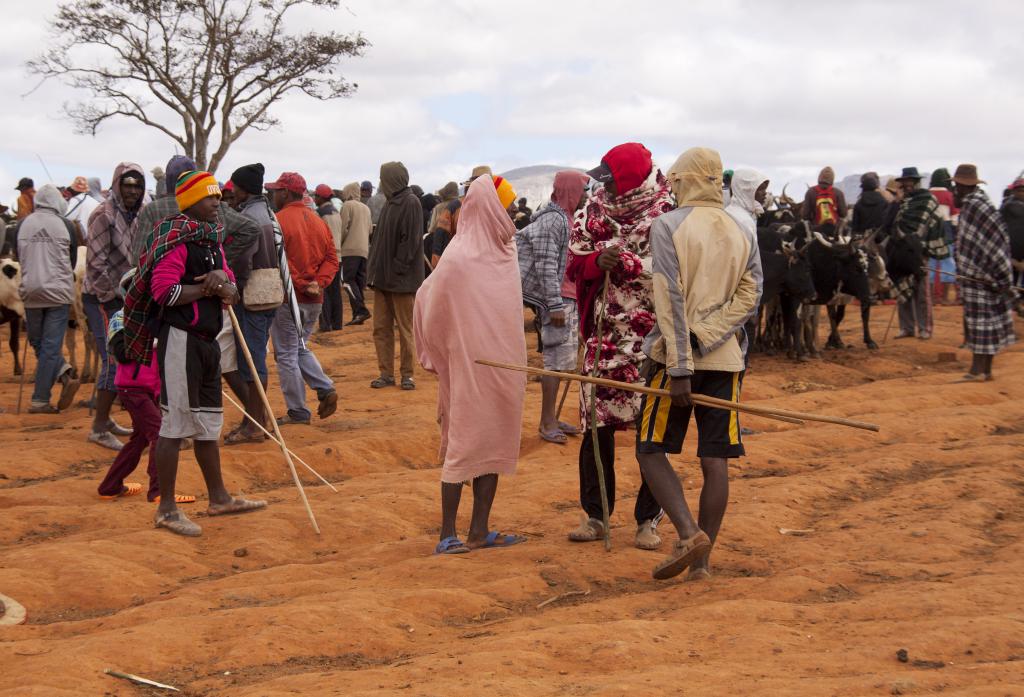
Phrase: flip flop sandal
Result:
[451,545]
[698,575]
[491,541]
[590,530]
[238,505]
[178,523]
[970,377]
[568,429]
[178,498]
[553,436]
[130,489]
[684,553]
[238,438]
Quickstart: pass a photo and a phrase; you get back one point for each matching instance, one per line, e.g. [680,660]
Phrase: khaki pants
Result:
[390,309]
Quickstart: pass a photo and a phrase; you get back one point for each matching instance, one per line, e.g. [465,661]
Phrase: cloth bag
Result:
[264,290]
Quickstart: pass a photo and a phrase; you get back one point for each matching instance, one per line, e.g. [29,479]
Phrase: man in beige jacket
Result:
[704,291]
[355,245]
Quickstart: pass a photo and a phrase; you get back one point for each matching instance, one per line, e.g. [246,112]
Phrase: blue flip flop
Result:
[451,545]
[509,540]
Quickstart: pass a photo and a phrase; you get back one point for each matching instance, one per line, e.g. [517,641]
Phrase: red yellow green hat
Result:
[193,187]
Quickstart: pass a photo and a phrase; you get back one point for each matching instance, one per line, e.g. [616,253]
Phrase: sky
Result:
[785,87]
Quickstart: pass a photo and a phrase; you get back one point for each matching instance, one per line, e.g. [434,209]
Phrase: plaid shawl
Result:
[919,215]
[139,302]
[983,244]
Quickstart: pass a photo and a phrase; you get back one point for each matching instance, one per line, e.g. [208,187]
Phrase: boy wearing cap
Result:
[313,264]
[183,283]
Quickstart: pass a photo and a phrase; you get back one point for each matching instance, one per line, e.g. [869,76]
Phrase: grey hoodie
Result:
[46,253]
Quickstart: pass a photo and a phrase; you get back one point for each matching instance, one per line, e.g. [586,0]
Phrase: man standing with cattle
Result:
[824,207]
[915,234]
[983,257]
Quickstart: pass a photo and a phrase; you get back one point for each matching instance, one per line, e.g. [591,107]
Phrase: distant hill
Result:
[534,182]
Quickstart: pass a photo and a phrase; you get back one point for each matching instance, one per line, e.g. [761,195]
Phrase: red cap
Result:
[324,191]
[1017,184]
[628,164]
[289,181]
[230,186]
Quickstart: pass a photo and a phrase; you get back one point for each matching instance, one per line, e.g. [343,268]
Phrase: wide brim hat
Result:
[910,173]
[967,175]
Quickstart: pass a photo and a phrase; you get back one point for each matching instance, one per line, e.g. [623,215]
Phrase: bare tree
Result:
[219,65]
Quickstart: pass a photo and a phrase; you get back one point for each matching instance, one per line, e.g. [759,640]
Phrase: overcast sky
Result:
[784,86]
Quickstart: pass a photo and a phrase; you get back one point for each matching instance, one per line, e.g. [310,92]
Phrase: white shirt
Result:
[80,207]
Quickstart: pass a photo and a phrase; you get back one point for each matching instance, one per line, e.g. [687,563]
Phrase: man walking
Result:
[313,263]
[701,261]
[395,272]
[983,257]
[356,224]
[330,317]
[48,254]
[107,258]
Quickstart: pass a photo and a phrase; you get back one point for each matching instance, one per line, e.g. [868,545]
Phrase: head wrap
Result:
[193,187]
[568,190]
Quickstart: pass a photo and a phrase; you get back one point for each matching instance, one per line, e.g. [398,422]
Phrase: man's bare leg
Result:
[254,407]
[484,489]
[238,385]
[167,450]
[101,418]
[668,490]
[548,403]
[208,457]
[714,498]
[451,495]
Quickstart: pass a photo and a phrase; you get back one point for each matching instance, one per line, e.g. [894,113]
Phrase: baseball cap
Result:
[601,173]
[323,191]
[289,181]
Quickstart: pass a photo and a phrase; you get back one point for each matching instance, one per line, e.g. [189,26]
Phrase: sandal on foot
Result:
[178,498]
[647,537]
[239,437]
[451,545]
[492,540]
[408,384]
[568,429]
[105,439]
[684,553]
[553,436]
[237,505]
[178,523]
[129,489]
[117,429]
[698,574]
[971,377]
[382,382]
[590,530]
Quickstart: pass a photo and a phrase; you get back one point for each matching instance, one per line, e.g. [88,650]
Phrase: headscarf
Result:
[471,307]
[49,197]
[393,178]
[743,207]
[568,190]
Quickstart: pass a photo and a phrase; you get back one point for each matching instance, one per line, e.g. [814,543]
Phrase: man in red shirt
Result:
[313,263]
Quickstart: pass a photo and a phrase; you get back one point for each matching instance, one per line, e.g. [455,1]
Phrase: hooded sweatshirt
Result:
[395,264]
[46,252]
[744,209]
[703,284]
[355,223]
[109,243]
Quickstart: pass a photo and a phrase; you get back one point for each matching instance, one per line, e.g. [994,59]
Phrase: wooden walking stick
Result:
[270,435]
[895,307]
[598,463]
[266,405]
[793,417]
[24,369]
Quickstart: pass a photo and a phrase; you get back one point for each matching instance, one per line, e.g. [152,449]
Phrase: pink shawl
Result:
[471,307]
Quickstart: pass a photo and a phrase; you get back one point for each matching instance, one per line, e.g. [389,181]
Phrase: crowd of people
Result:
[655,275]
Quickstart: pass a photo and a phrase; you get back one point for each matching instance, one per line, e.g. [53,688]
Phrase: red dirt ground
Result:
[914,542]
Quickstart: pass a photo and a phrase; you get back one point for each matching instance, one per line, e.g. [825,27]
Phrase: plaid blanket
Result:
[139,303]
[919,215]
[983,254]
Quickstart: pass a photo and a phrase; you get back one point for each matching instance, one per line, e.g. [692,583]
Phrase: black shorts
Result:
[661,426]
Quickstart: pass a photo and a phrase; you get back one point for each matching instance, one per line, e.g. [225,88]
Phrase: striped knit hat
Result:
[506,194]
[193,187]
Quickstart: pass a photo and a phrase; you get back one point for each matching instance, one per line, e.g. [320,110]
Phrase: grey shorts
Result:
[561,344]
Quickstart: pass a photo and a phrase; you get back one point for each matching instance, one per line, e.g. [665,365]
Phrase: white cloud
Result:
[783,86]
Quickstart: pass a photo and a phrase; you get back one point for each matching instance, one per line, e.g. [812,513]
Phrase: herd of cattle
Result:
[803,269]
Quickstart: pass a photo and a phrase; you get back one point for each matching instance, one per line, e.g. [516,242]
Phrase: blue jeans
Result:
[97,316]
[256,332]
[296,364]
[46,327]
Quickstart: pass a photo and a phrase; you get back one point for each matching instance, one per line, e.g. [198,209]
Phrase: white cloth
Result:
[80,207]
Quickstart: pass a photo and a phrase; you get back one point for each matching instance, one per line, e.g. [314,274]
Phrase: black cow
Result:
[787,284]
[839,265]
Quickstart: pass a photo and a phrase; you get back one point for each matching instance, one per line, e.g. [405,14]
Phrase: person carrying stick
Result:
[182,284]
[704,291]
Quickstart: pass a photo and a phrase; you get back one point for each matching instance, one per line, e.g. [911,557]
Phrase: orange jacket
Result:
[310,249]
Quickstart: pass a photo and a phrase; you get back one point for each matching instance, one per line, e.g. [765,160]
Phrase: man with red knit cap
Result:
[183,283]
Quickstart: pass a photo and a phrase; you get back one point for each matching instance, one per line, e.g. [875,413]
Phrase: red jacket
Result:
[310,249]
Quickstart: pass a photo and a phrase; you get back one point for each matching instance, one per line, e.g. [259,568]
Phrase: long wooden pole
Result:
[273,438]
[266,404]
[786,415]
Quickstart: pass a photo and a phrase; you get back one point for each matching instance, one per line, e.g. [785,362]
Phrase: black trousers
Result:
[354,270]
[330,316]
[646,506]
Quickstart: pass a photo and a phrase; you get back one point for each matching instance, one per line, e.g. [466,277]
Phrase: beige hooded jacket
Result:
[703,283]
[355,224]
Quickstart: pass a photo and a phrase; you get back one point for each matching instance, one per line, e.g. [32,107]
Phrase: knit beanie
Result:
[506,194]
[249,178]
[827,177]
[193,187]
[869,181]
